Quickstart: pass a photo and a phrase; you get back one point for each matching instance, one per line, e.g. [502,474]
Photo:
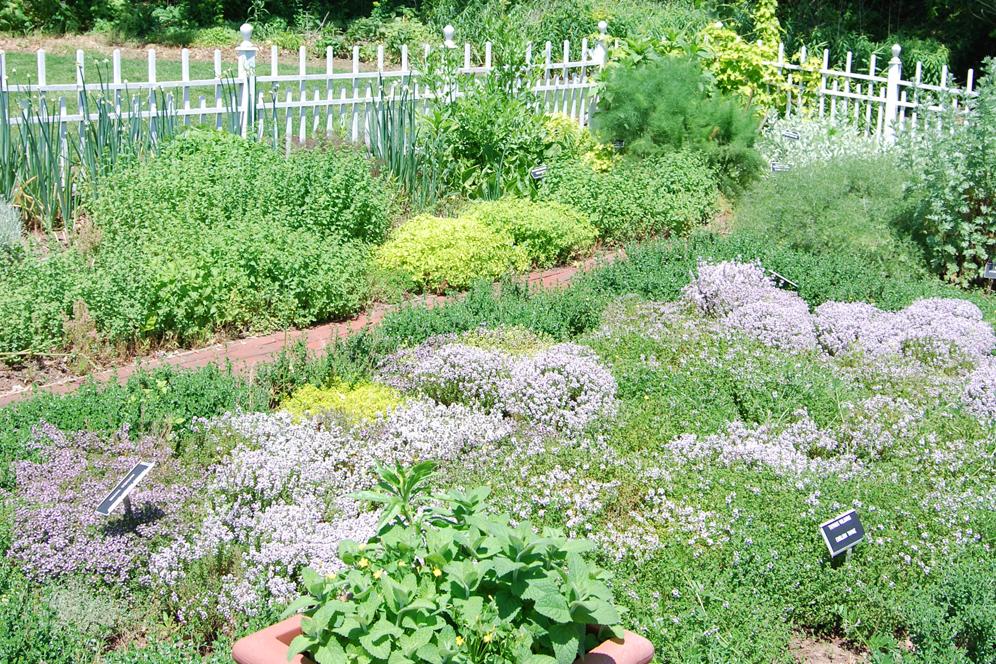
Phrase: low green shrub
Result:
[437,253]
[36,295]
[668,194]
[213,235]
[550,233]
[849,205]
[189,283]
[208,179]
[955,190]
[668,104]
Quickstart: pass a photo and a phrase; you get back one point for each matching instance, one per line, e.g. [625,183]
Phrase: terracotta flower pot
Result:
[269,646]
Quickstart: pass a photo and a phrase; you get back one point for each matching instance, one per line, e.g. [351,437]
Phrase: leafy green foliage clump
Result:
[214,234]
[667,194]
[550,233]
[956,190]
[436,253]
[848,205]
[454,583]
[667,104]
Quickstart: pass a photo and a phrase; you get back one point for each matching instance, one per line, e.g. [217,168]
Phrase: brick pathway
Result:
[244,354]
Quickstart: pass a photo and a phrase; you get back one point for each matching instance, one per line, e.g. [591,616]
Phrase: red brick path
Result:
[243,354]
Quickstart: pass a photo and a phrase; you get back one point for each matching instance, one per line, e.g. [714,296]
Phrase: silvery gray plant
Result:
[797,141]
[10,225]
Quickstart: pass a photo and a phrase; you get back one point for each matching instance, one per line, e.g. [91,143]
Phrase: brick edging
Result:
[244,354]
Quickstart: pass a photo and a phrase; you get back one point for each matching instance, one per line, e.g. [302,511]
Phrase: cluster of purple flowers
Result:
[979,394]
[743,297]
[56,530]
[282,496]
[786,450]
[873,428]
[563,387]
[936,331]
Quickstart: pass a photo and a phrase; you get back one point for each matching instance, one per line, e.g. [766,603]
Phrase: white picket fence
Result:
[880,101]
[304,105]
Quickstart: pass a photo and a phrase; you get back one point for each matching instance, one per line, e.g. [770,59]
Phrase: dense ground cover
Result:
[697,429]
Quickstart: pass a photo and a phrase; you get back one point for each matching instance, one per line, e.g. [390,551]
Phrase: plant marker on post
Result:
[247,77]
[892,95]
[598,54]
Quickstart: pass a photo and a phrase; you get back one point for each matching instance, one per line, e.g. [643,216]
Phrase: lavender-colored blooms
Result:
[936,331]
[777,318]
[719,288]
[746,300]
[842,326]
[283,494]
[564,387]
[56,530]
[793,449]
[874,427]
[935,328]
[979,395]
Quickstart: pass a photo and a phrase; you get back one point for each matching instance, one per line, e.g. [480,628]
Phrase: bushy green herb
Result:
[550,233]
[848,205]
[454,583]
[668,194]
[437,253]
[666,105]
[955,188]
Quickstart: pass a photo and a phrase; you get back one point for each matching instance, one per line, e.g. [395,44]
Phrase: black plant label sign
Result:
[779,168]
[842,532]
[124,487]
[990,270]
[538,172]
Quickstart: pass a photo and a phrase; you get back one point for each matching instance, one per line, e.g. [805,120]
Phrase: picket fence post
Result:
[247,78]
[892,95]
[598,54]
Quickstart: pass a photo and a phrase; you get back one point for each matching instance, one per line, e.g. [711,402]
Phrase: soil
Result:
[809,650]
[38,371]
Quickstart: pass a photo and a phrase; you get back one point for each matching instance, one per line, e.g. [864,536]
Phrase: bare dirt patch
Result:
[809,650]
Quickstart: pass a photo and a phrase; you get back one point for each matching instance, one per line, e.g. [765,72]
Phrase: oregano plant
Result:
[445,580]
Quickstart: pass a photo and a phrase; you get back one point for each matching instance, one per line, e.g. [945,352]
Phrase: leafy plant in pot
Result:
[445,581]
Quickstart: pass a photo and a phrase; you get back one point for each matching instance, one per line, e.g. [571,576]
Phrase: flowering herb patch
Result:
[698,443]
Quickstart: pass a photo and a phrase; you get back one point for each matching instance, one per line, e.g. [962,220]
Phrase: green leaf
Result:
[566,640]
[294,607]
[330,652]
[547,599]
[300,644]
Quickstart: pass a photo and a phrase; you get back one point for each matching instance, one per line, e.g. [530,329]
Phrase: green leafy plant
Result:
[667,194]
[955,186]
[667,105]
[550,233]
[848,204]
[437,253]
[451,582]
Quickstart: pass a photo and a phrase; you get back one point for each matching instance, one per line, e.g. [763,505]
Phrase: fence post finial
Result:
[598,55]
[892,95]
[448,36]
[247,78]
